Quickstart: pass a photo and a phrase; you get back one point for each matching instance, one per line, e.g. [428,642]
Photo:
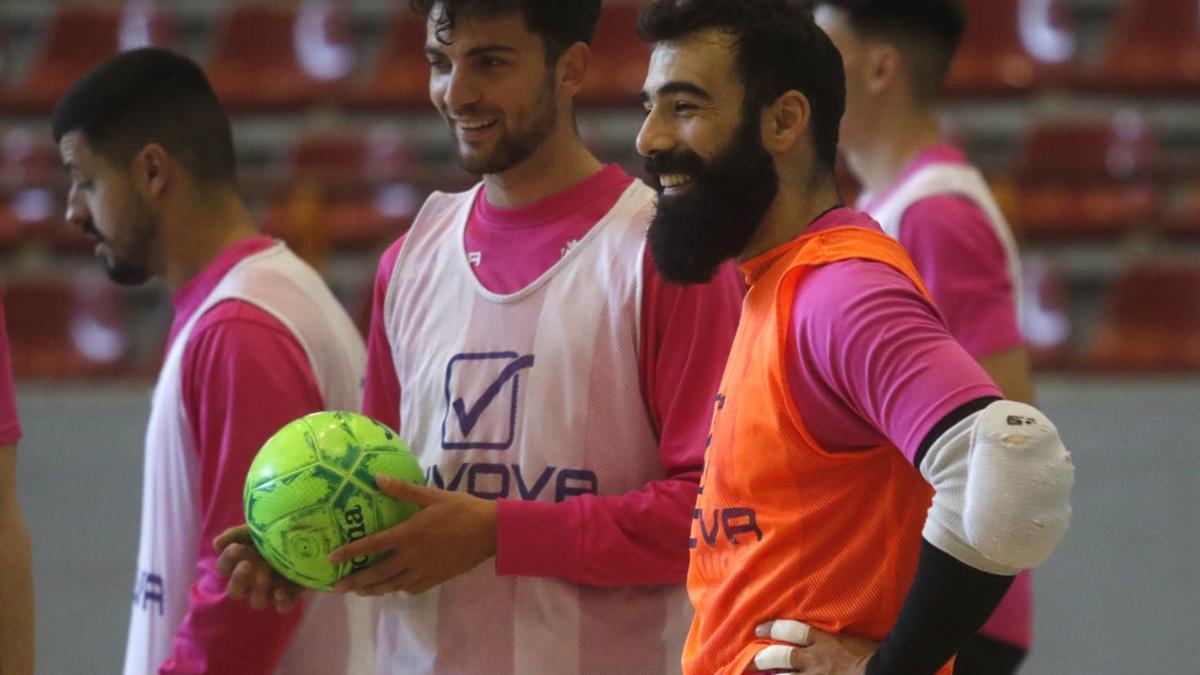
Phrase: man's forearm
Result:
[16,596]
[947,602]
[619,540]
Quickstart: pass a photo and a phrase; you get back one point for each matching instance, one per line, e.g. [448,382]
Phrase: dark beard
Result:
[518,146]
[714,220]
[126,273]
[124,270]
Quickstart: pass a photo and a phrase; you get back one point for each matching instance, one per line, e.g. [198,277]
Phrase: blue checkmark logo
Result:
[482,392]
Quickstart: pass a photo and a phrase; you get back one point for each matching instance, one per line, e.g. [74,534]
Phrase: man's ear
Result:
[571,69]
[153,169]
[885,64]
[786,122]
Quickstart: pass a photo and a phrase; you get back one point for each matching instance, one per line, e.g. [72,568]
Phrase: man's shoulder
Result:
[387,262]
[234,320]
[951,223]
[946,188]
[845,291]
[946,205]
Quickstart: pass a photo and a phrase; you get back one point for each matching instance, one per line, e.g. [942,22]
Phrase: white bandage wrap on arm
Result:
[1002,481]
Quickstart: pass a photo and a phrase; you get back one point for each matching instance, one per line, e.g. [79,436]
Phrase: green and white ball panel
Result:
[285,496]
[292,448]
[299,547]
[337,444]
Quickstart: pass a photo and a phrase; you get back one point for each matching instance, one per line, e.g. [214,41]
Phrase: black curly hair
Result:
[779,49]
[560,23]
[146,96]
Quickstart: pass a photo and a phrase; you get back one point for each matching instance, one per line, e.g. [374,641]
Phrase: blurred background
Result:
[1084,114]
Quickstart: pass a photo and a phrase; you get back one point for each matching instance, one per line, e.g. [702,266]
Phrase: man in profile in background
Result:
[925,194]
[257,341]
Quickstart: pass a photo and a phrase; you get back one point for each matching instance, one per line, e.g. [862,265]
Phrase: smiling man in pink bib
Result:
[556,389]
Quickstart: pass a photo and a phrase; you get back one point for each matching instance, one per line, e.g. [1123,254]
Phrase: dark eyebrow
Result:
[477,51]
[679,87]
[491,49]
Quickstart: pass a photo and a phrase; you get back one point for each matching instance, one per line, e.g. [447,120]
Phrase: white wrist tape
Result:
[1003,487]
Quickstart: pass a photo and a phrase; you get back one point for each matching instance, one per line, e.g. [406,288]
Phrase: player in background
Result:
[867,495]
[919,187]
[923,193]
[557,390]
[16,568]
[257,340]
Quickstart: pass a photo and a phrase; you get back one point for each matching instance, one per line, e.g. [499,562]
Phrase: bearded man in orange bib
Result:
[868,495]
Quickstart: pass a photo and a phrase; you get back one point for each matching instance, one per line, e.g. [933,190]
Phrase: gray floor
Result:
[1120,596]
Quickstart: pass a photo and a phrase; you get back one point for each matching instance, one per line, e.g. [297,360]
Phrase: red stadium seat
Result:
[1011,46]
[347,191]
[381,155]
[1151,320]
[77,38]
[66,328]
[619,59]
[32,185]
[281,56]
[28,158]
[1154,47]
[12,228]
[1182,216]
[401,76]
[1088,179]
[312,222]
[36,215]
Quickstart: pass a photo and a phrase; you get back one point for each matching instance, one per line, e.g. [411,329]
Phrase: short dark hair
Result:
[935,27]
[779,49]
[560,23]
[151,96]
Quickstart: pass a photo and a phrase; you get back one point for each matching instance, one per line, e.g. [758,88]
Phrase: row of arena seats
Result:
[288,55]
[358,189]
[1013,46]
[80,328]
[1097,179]
[295,54]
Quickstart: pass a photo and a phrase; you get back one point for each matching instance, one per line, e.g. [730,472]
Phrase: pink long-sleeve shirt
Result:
[686,335]
[244,377]
[872,360]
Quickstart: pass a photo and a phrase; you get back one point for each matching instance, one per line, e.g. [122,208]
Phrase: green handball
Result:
[312,489]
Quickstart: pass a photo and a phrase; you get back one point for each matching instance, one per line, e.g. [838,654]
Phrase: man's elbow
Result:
[1018,492]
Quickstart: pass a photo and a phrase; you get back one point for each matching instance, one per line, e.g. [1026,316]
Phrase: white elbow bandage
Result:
[1003,488]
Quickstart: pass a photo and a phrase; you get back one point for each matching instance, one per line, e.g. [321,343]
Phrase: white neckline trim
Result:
[460,232]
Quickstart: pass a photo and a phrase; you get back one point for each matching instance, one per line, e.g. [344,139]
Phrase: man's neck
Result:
[562,161]
[899,137]
[792,212]
[197,235]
